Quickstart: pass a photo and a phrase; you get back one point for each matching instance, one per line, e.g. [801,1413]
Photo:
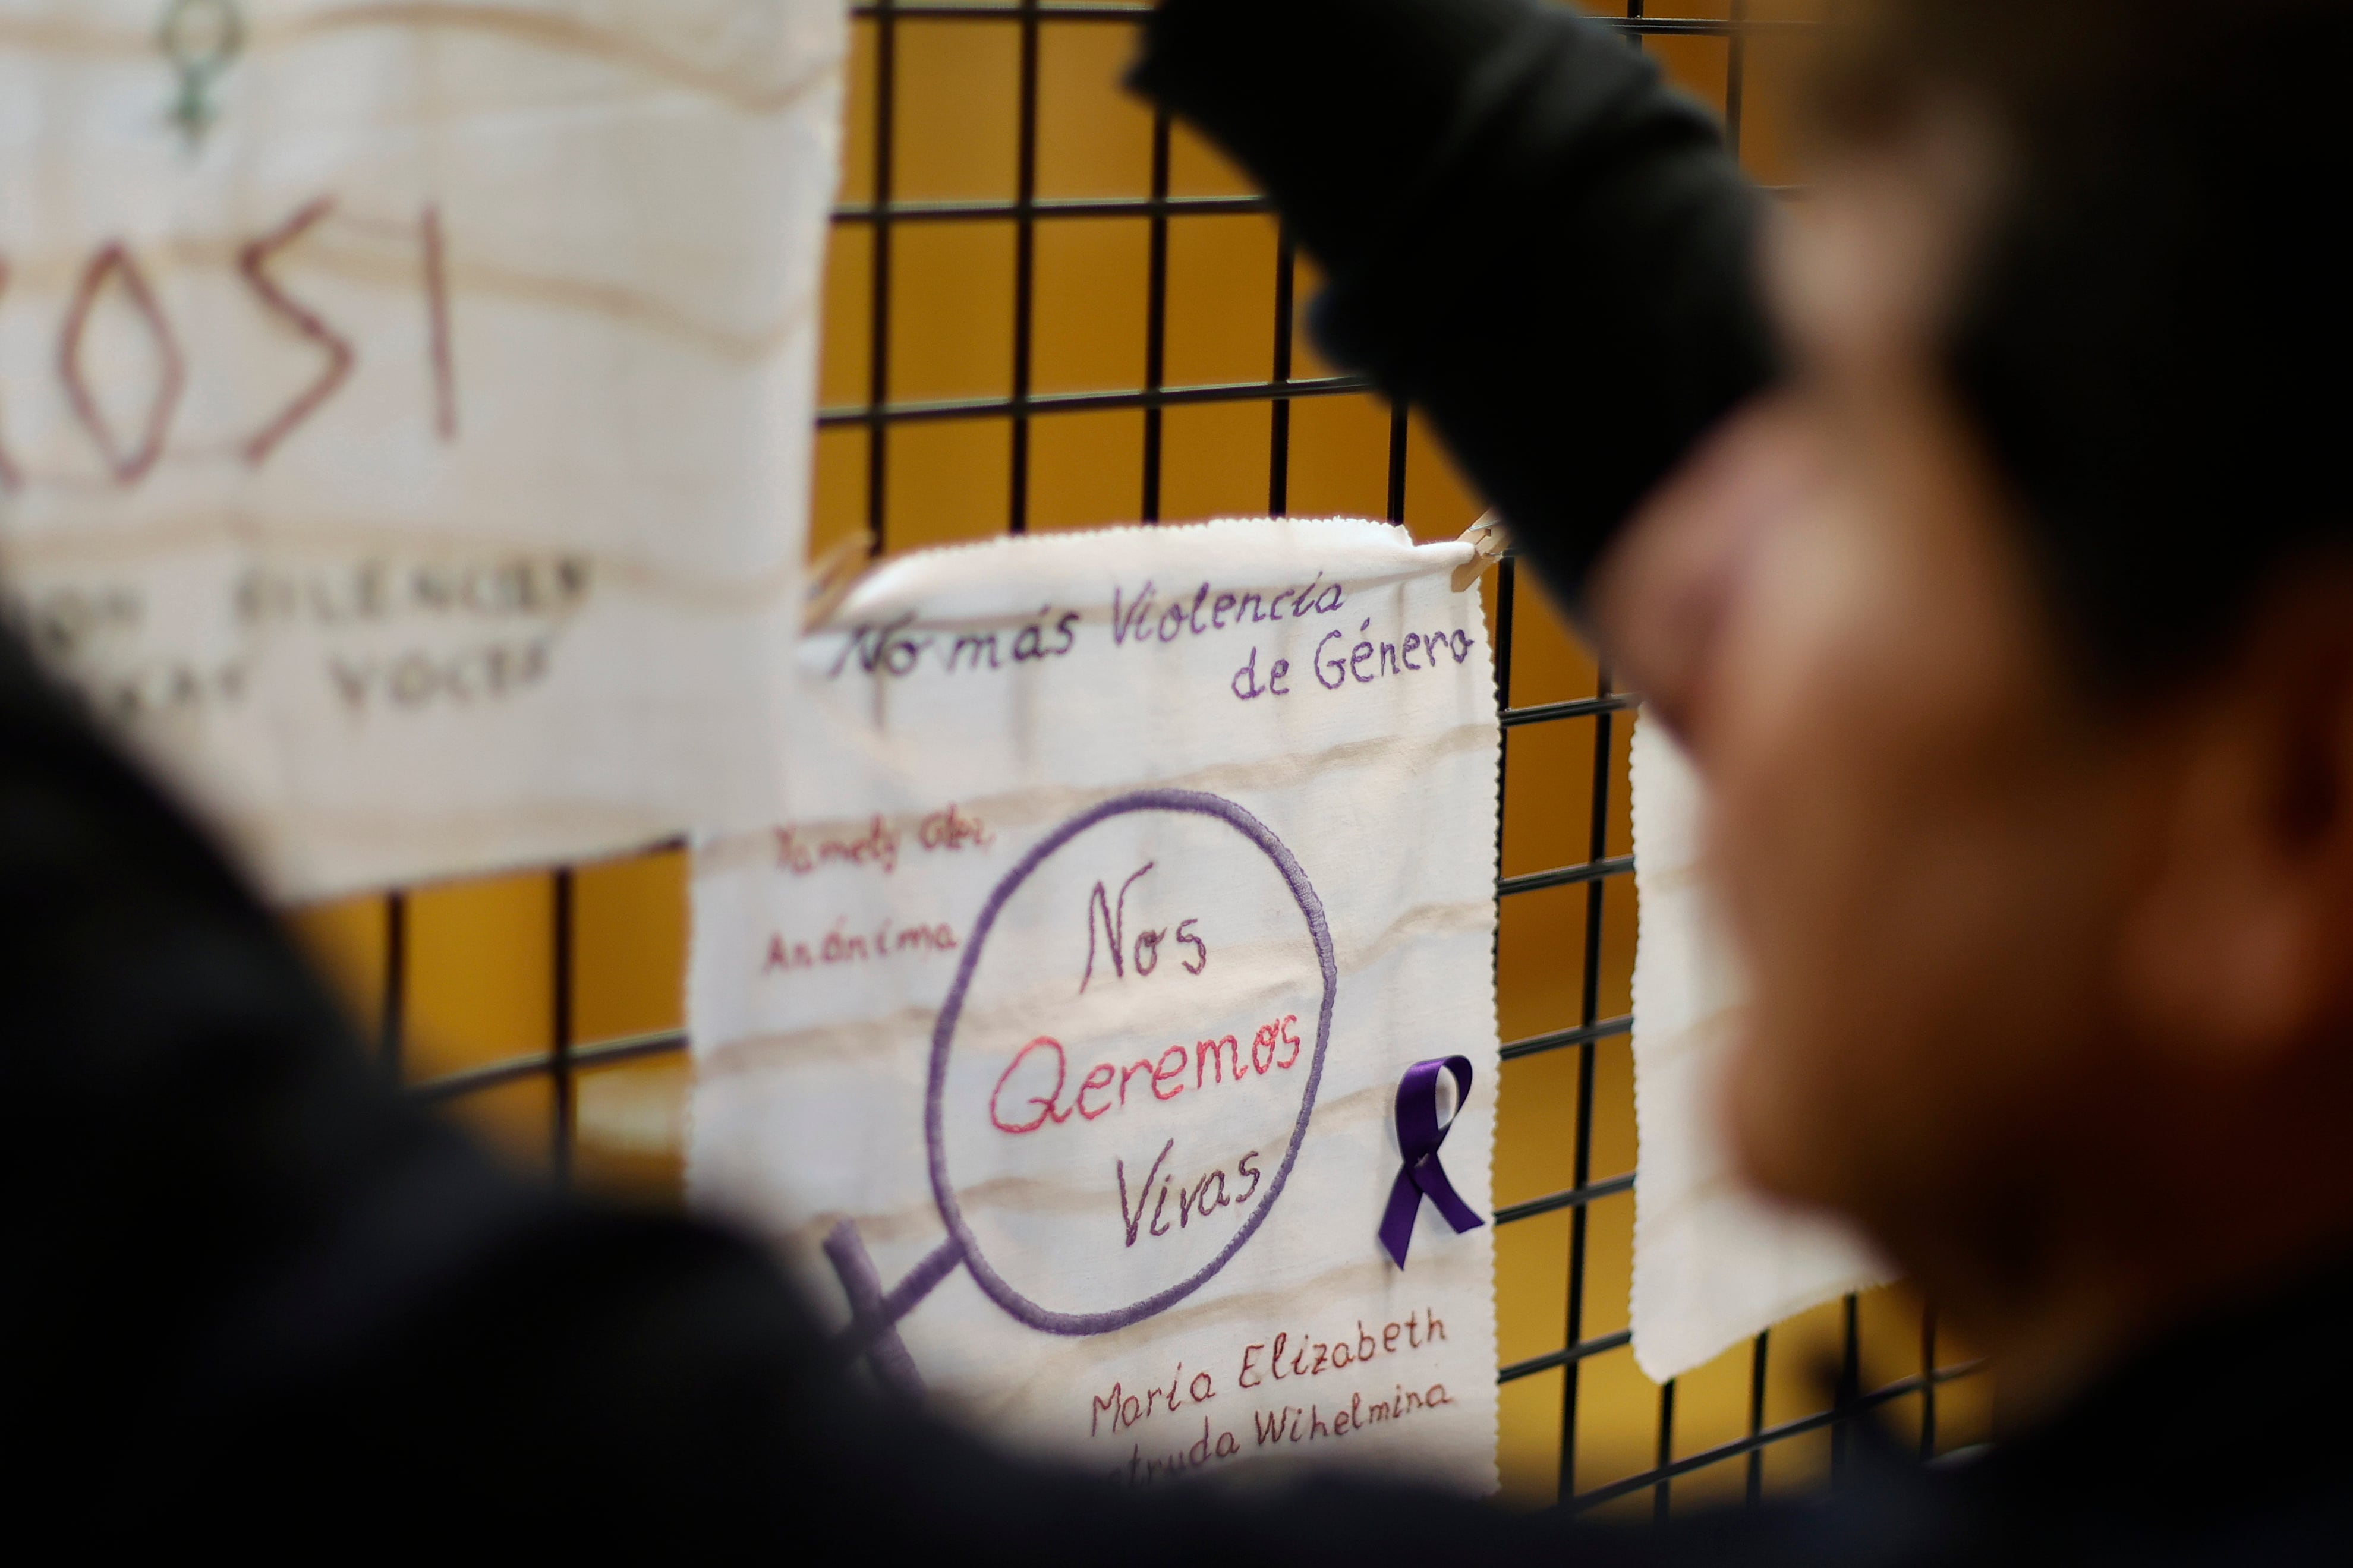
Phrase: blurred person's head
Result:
[2015,637]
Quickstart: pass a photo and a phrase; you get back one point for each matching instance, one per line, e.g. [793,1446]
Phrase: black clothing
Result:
[1528,235]
[252,1296]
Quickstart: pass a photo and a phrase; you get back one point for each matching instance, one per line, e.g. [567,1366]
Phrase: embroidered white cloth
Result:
[1057,1036]
[405,410]
[1714,1261]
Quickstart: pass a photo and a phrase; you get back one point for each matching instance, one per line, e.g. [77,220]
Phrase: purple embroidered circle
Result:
[962,1241]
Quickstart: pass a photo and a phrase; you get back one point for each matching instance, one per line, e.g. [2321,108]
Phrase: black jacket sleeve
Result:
[1529,235]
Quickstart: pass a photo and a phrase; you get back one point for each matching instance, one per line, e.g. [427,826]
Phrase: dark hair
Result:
[2156,330]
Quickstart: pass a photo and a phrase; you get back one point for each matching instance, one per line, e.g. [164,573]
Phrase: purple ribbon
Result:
[1418,1136]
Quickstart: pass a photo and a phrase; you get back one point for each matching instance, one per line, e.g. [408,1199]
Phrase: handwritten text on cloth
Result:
[405,409]
[1057,1035]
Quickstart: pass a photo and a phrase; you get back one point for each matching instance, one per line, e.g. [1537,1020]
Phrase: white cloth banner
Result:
[405,410]
[1715,1261]
[1058,1036]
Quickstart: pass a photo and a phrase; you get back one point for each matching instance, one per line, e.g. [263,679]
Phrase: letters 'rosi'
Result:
[113,270]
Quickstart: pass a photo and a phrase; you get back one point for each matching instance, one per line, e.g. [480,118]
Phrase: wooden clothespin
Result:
[1488,540]
[833,575]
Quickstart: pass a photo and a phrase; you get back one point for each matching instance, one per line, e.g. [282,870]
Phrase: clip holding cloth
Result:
[833,575]
[1488,540]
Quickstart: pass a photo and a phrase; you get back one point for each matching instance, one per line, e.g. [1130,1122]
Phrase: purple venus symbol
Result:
[874,1310]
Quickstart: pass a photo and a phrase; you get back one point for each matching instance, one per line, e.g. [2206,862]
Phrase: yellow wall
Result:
[479,955]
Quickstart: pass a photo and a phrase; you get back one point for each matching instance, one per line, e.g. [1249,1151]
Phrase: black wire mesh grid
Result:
[880,415]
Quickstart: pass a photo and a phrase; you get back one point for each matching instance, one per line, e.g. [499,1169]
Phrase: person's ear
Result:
[2239,946]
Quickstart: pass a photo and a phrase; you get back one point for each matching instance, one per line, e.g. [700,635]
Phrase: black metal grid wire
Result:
[565,1059]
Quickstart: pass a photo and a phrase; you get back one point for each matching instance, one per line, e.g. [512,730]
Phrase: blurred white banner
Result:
[1715,1261]
[405,409]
